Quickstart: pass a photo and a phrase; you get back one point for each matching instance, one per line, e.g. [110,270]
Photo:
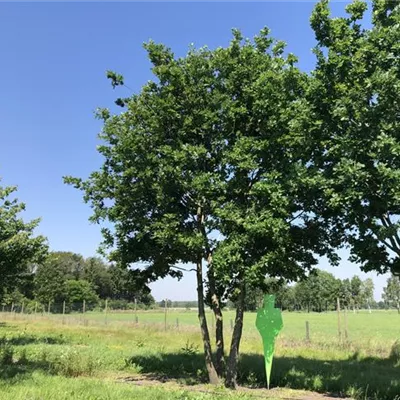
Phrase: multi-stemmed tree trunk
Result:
[232,364]
[219,324]
[205,335]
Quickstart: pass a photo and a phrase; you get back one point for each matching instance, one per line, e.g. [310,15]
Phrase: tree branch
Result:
[394,245]
[297,216]
[396,235]
[185,269]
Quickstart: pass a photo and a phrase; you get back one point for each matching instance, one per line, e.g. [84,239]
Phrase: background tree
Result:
[356,292]
[368,292]
[355,103]
[18,246]
[99,275]
[391,293]
[50,279]
[79,291]
[345,293]
[318,291]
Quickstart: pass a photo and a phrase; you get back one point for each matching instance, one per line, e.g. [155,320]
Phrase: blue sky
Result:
[52,77]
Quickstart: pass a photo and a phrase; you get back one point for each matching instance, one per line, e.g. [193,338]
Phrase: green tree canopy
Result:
[207,163]
[19,247]
[79,291]
[391,293]
[318,289]
[355,107]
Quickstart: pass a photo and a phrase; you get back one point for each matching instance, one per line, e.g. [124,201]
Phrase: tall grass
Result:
[36,353]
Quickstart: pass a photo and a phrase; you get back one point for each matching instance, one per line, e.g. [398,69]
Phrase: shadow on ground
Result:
[14,364]
[13,373]
[365,378]
[24,339]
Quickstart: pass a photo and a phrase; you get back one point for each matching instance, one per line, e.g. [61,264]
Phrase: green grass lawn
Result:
[41,358]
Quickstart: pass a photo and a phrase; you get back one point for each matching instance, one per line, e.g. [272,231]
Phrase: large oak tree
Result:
[208,165]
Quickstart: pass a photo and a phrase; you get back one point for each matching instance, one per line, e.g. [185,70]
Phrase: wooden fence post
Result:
[63,311]
[346,336]
[105,311]
[165,314]
[307,331]
[136,317]
[339,322]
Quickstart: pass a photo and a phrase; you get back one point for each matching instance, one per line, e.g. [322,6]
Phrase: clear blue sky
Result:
[52,77]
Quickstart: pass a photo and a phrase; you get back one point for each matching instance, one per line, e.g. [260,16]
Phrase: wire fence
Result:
[162,318]
[93,314]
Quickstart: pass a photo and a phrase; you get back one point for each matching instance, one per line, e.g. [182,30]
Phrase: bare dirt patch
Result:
[219,392]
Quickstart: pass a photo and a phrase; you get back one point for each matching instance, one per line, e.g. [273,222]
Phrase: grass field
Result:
[87,358]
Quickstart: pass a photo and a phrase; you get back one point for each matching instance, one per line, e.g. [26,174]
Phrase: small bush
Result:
[6,355]
[73,364]
[190,348]
[395,352]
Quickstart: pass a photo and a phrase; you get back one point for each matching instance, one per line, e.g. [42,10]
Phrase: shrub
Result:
[395,352]
[71,363]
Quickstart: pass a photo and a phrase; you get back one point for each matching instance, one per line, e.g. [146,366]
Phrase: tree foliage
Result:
[19,247]
[207,162]
[391,293]
[66,276]
[355,107]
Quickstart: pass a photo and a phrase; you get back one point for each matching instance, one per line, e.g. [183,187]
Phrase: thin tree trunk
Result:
[232,364]
[212,373]
[219,324]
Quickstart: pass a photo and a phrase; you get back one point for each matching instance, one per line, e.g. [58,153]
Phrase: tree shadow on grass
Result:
[12,373]
[366,378]
[24,339]
[8,326]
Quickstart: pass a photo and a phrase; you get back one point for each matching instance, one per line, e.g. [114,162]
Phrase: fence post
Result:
[22,307]
[165,314]
[177,323]
[35,307]
[85,321]
[105,311]
[346,336]
[48,308]
[307,331]
[231,325]
[339,322]
[136,318]
[63,318]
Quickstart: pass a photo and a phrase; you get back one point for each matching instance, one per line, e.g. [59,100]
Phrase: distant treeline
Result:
[318,292]
[71,278]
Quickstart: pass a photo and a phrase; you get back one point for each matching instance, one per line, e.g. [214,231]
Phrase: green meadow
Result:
[98,356]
